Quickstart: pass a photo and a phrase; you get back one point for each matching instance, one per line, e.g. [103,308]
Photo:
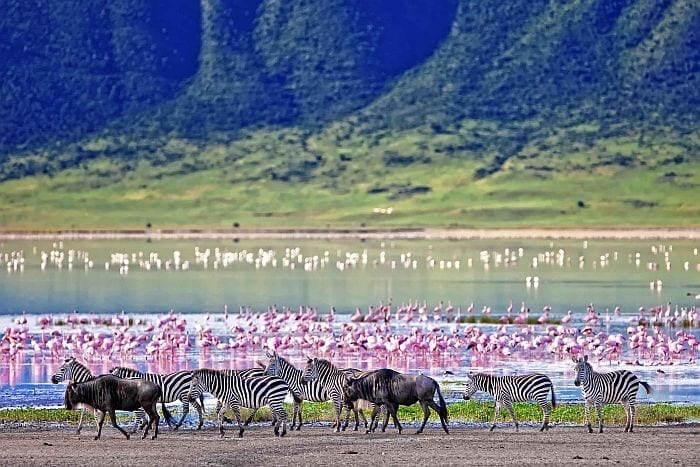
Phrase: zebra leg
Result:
[426,414]
[280,415]
[252,415]
[628,414]
[219,404]
[185,410]
[599,412]
[633,409]
[386,419]
[221,415]
[546,411]
[237,413]
[372,417]
[509,407]
[495,415]
[100,420]
[80,422]
[297,407]
[338,409]
[587,415]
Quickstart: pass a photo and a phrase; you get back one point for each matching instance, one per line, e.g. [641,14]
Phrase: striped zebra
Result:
[236,392]
[175,386]
[607,388]
[509,389]
[301,390]
[331,379]
[72,370]
[246,373]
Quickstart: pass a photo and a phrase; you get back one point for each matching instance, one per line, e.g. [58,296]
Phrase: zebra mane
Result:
[127,370]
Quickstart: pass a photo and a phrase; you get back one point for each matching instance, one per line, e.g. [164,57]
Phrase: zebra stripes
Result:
[331,379]
[175,387]
[234,391]
[607,388]
[301,390]
[509,389]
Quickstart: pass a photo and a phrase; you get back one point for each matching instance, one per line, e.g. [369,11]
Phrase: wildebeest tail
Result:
[443,405]
[166,413]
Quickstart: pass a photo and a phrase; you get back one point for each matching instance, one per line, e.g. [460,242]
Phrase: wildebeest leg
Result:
[426,415]
[392,408]
[100,420]
[113,418]
[155,419]
[442,411]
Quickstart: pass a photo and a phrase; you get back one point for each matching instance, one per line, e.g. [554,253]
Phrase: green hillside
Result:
[328,113]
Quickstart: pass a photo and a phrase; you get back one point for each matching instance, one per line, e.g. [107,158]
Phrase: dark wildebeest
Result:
[108,393]
[391,388]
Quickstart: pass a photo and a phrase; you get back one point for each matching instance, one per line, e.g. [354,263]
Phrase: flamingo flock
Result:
[653,337]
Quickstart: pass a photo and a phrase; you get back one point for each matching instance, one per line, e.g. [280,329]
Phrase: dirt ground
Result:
[318,445]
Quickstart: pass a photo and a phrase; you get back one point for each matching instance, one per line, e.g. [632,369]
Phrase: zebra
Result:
[234,391]
[73,370]
[607,388]
[301,390]
[246,373]
[331,379]
[509,389]
[175,386]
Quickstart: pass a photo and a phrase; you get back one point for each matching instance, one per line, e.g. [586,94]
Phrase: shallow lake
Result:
[200,279]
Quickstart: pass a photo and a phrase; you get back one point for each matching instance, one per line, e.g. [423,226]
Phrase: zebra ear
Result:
[585,358]
[269,355]
[574,359]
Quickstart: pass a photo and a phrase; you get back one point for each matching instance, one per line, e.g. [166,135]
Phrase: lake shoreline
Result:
[622,233]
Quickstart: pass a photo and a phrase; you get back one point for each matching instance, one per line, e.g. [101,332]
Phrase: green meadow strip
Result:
[463,412]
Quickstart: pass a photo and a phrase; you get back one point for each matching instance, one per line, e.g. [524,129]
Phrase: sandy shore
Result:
[58,445]
[419,233]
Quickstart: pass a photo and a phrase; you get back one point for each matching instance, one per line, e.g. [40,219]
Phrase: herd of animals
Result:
[382,390]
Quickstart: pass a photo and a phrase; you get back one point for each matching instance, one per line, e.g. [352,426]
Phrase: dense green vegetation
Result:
[464,412]
[218,114]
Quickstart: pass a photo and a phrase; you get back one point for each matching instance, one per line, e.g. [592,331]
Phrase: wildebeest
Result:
[391,388]
[108,393]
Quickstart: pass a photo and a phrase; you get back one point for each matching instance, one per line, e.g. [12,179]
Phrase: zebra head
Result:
[310,371]
[196,386]
[273,367]
[469,389]
[583,369]
[65,372]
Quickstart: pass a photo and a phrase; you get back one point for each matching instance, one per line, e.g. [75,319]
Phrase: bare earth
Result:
[58,445]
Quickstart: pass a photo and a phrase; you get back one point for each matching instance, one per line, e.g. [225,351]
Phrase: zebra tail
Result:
[646,386]
[443,405]
[554,399]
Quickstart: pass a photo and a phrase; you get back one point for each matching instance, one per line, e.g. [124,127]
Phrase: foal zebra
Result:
[509,389]
[175,386]
[234,391]
[607,388]
[331,379]
[72,370]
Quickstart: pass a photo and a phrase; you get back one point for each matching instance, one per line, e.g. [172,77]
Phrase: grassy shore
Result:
[462,412]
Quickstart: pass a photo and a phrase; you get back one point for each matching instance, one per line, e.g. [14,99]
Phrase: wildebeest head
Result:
[65,372]
[582,369]
[70,396]
[310,371]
